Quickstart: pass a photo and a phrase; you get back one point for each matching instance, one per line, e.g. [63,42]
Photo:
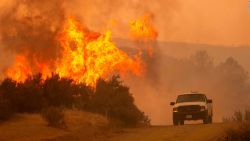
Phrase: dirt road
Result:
[194,132]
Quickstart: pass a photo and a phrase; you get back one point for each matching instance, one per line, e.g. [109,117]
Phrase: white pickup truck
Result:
[192,106]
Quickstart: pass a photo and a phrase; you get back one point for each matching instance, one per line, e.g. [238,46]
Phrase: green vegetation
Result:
[110,98]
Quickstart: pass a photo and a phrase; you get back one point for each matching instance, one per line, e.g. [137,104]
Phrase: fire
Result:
[85,57]
[88,56]
[21,70]
[143,29]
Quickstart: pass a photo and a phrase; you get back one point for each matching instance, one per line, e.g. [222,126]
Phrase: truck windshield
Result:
[190,98]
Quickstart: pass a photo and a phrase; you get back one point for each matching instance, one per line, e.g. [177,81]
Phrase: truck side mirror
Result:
[172,103]
[209,101]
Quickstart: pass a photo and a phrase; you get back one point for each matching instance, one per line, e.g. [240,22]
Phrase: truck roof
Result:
[192,93]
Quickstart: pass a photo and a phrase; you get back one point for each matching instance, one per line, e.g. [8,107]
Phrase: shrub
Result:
[29,98]
[238,116]
[58,91]
[54,117]
[5,110]
[247,115]
[113,100]
[242,133]
[110,98]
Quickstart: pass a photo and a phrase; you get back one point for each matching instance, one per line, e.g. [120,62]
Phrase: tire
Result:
[210,119]
[181,122]
[175,122]
[178,122]
[206,120]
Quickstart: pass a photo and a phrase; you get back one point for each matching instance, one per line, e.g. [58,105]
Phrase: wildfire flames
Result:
[20,70]
[143,29]
[85,57]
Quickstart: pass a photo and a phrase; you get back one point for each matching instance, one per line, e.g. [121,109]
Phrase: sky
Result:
[224,22]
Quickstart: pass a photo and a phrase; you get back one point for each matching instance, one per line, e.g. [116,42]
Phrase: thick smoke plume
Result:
[30,26]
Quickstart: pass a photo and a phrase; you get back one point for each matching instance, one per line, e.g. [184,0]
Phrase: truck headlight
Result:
[175,109]
[203,108]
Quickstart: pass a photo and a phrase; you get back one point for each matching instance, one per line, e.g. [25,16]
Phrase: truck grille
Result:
[191,108]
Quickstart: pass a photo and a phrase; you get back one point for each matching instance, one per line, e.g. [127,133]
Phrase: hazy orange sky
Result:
[223,22]
[211,21]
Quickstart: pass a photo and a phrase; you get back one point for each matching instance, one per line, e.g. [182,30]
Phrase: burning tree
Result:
[71,61]
[85,57]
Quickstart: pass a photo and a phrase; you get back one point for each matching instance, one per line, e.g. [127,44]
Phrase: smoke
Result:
[224,22]
[226,82]
[100,15]
[208,22]
[30,26]
[211,22]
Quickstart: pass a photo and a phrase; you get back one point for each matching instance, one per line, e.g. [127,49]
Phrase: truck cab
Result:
[192,106]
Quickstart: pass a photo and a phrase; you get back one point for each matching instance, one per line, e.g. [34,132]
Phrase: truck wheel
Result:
[181,122]
[175,122]
[210,119]
[206,120]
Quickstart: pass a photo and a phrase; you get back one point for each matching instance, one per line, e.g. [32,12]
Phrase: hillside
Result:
[183,50]
[30,127]
[84,126]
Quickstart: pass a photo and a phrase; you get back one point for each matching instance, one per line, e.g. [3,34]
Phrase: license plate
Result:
[188,116]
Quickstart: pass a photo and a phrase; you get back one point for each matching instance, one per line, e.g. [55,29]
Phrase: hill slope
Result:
[30,127]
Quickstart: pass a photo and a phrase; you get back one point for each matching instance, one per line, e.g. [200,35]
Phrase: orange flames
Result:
[85,57]
[143,29]
[21,70]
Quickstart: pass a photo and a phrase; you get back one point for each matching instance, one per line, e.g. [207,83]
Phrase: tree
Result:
[202,61]
[30,98]
[232,72]
[58,91]
[114,100]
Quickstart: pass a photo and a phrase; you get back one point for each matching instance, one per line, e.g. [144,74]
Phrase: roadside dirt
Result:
[194,132]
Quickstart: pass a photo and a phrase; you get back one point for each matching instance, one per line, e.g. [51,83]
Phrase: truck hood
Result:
[190,103]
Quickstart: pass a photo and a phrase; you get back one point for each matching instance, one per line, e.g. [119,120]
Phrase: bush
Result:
[238,116]
[113,100]
[54,117]
[247,115]
[5,110]
[242,133]
[58,91]
[29,98]
[110,98]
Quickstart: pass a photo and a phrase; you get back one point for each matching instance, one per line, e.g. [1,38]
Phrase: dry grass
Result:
[30,127]
[196,132]
[238,133]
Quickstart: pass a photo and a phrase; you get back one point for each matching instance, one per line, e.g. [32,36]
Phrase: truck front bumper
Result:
[189,115]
